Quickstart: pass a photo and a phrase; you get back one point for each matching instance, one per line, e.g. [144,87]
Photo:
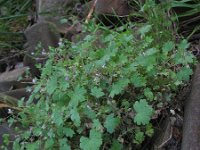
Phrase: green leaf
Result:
[57,117]
[68,132]
[111,123]
[33,146]
[77,96]
[144,29]
[168,46]
[93,142]
[118,87]
[189,57]
[49,144]
[64,145]
[16,145]
[146,60]
[89,113]
[150,51]
[184,74]
[148,93]
[149,130]
[183,45]
[51,85]
[75,117]
[6,139]
[62,21]
[97,92]
[64,85]
[96,124]
[143,112]
[138,80]
[139,137]
[116,145]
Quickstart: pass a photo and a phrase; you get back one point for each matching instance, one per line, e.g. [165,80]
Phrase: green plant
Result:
[106,87]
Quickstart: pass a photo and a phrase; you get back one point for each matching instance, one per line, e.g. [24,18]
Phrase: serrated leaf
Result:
[64,145]
[183,45]
[97,92]
[75,117]
[32,146]
[149,130]
[93,142]
[78,95]
[168,46]
[62,21]
[145,60]
[49,144]
[68,132]
[64,85]
[51,85]
[184,74]
[189,57]
[57,117]
[96,124]
[143,112]
[145,29]
[139,137]
[118,87]
[89,113]
[148,93]
[138,80]
[150,51]
[123,59]
[111,123]
[116,145]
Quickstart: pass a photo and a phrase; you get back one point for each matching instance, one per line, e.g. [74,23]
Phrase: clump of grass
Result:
[13,20]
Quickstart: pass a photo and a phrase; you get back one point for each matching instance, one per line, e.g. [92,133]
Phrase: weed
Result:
[92,95]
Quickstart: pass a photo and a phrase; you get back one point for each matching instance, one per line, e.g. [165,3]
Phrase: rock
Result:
[191,125]
[13,75]
[54,11]
[18,93]
[47,8]
[72,31]
[112,7]
[43,33]
[61,27]
[11,85]
[109,12]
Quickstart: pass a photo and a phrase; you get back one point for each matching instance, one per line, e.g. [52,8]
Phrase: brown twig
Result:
[90,12]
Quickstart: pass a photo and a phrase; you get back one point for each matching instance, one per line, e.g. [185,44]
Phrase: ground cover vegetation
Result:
[104,92]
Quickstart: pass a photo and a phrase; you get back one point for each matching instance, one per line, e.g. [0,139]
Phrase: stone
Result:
[39,37]
[112,7]
[43,32]
[54,11]
[109,12]
[19,93]
[13,75]
[46,8]
[12,85]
